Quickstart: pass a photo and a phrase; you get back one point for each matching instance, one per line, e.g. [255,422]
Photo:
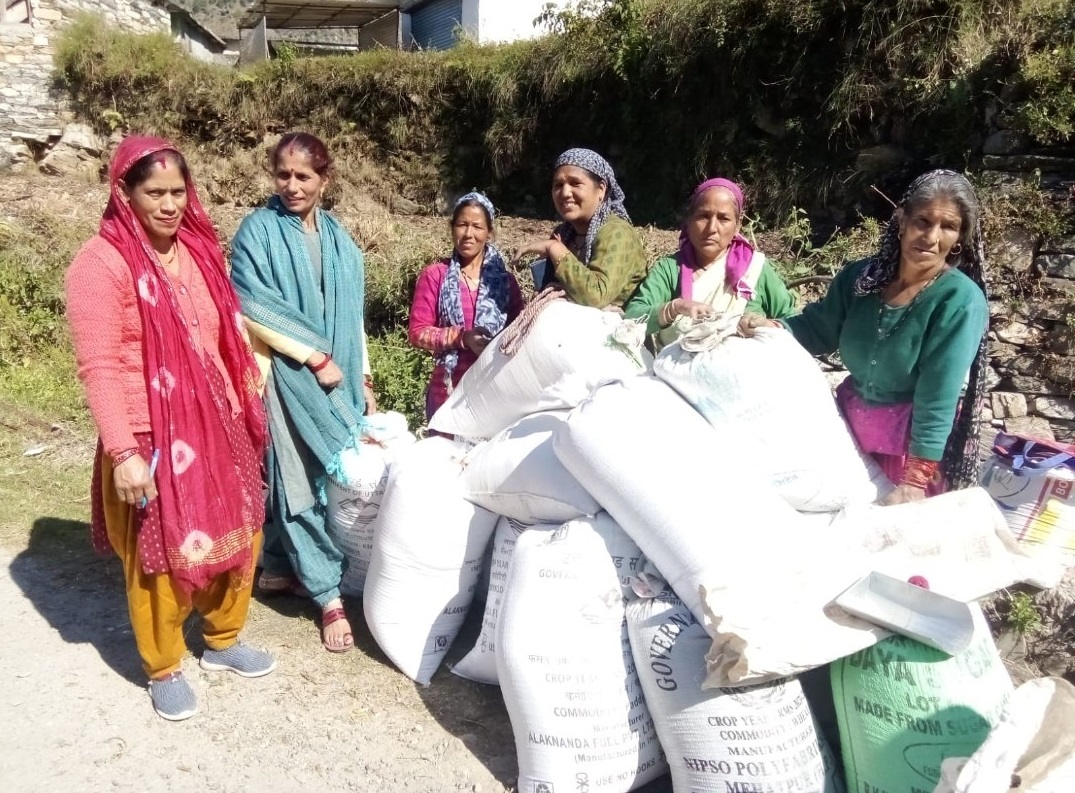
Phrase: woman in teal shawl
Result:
[300,278]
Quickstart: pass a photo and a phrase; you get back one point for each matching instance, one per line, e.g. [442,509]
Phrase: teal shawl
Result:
[272,273]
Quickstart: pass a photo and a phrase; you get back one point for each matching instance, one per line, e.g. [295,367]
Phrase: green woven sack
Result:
[904,707]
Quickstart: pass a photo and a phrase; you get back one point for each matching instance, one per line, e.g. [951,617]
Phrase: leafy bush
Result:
[36,358]
[400,376]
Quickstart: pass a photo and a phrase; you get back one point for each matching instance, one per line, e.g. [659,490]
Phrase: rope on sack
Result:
[515,333]
[707,334]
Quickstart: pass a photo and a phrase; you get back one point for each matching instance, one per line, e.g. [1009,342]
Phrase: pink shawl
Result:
[209,514]
[740,252]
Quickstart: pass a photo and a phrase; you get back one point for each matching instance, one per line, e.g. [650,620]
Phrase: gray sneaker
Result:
[172,697]
[238,658]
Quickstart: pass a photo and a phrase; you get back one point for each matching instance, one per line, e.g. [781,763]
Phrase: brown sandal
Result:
[330,617]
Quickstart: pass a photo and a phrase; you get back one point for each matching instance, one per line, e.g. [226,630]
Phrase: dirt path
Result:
[79,718]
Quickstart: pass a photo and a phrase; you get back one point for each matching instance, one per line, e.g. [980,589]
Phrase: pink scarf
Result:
[740,252]
[208,512]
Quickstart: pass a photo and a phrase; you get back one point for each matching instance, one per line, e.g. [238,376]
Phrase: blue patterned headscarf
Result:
[612,205]
[491,308]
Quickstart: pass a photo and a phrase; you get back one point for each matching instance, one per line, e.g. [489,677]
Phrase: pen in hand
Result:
[152,470]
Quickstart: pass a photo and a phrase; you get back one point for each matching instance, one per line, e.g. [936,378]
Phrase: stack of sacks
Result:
[429,543]
[354,491]
[564,661]
[745,563]
[751,738]
[568,350]
[770,403]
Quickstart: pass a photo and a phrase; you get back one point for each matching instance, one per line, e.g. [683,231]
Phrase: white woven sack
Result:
[754,738]
[565,668]
[777,618]
[706,518]
[353,501]
[516,474]
[479,664]
[428,547]
[1034,744]
[767,398]
[569,350]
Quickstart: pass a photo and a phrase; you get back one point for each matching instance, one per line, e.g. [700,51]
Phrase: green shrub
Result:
[781,94]
[1045,88]
[400,376]
[36,359]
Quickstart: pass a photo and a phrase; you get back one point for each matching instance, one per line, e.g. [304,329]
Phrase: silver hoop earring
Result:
[956,249]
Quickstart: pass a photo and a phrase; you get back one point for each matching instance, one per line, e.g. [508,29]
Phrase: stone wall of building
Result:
[31,113]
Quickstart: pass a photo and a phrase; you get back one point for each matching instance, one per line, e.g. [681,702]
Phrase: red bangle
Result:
[918,472]
[318,367]
[367,380]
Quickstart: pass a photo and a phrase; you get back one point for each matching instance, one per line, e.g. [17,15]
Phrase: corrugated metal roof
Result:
[296,14]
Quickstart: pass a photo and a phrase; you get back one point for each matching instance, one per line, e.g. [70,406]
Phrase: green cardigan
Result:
[924,362]
[661,284]
[617,265]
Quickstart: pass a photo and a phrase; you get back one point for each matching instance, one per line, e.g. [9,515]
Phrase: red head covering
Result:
[209,511]
[740,251]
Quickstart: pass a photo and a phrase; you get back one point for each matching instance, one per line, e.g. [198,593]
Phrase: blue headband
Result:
[481,198]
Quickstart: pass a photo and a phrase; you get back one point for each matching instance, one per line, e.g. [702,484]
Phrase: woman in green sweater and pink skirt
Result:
[909,323]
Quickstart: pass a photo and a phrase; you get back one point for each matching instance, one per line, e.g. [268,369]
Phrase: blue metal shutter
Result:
[433,24]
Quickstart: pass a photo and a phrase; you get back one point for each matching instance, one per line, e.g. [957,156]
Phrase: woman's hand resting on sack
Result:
[750,322]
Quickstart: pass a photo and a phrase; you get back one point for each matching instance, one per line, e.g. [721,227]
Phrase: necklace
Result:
[472,281]
[172,257]
[883,335]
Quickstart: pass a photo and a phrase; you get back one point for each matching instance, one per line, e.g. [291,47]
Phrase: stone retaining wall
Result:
[31,114]
[1032,327]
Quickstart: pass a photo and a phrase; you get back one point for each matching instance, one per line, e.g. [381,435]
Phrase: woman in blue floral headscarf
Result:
[461,302]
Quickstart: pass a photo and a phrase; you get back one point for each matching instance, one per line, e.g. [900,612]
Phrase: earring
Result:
[956,249]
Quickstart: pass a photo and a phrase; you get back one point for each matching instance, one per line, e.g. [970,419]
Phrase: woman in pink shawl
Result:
[716,271]
[172,386]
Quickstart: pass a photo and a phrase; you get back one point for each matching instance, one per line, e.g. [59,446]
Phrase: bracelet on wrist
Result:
[121,457]
[315,368]
[367,381]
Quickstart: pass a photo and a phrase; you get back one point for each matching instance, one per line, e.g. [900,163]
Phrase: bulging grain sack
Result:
[354,492]
[427,557]
[766,394]
[517,475]
[479,664]
[564,663]
[772,617]
[751,738]
[694,507]
[904,708]
[778,619]
[569,349]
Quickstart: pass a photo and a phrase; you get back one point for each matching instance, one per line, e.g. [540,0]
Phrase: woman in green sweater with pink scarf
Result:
[715,271]
[909,323]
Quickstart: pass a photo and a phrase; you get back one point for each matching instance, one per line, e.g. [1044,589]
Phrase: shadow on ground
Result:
[79,593]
